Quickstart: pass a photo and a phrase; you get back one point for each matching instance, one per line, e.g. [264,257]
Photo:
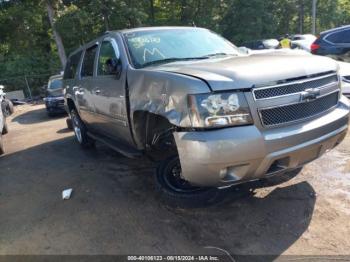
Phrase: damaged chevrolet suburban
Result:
[212,116]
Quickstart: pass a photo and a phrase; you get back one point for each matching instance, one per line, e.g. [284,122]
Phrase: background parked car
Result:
[262,44]
[334,43]
[6,104]
[303,42]
[54,99]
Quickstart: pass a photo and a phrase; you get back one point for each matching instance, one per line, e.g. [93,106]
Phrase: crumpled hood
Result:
[244,72]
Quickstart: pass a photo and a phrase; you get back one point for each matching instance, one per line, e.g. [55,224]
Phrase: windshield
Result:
[55,84]
[167,45]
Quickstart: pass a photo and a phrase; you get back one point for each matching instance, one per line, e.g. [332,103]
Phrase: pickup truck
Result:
[209,114]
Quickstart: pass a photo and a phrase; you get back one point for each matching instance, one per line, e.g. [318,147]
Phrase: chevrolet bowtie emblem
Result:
[310,94]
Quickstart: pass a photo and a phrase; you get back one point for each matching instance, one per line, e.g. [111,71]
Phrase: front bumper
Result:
[234,155]
[55,105]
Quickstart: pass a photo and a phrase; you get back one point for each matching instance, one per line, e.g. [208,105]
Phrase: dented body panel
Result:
[163,93]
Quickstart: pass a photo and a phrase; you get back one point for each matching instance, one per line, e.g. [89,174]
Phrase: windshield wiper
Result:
[218,54]
[173,59]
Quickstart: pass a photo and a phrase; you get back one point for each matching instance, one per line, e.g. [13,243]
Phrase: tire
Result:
[176,191]
[2,151]
[5,129]
[69,123]
[80,131]
[7,107]
[10,106]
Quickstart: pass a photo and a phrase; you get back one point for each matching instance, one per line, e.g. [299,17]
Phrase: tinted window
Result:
[340,37]
[72,66]
[106,59]
[88,62]
[55,84]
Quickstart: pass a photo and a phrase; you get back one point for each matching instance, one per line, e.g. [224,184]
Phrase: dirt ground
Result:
[114,208]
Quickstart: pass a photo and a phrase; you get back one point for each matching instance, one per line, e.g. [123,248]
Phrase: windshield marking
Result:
[152,53]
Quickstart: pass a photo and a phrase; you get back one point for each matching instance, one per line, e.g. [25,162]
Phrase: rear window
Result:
[339,37]
[72,66]
[55,84]
[88,62]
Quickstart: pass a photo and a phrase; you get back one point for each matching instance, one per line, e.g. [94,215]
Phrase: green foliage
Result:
[27,45]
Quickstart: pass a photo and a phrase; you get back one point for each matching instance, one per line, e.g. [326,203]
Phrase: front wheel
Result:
[177,191]
[80,130]
[7,107]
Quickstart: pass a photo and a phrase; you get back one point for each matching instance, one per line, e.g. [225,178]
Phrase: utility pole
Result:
[301,16]
[314,6]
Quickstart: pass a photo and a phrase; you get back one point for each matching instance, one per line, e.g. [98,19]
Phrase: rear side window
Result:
[339,37]
[87,68]
[72,66]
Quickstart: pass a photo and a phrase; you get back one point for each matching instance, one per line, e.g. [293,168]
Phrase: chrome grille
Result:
[292,88]
[290,113]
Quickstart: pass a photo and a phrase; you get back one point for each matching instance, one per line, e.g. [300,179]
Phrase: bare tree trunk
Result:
[58,39]
[105,14]
[301,16]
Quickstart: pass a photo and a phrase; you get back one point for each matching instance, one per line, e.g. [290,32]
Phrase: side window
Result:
[72,66]
[340,37]
[107,60]
[87,68]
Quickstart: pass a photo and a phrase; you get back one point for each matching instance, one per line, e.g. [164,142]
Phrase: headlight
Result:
[215,110]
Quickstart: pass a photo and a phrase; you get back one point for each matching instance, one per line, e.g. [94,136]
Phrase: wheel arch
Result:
[154,134]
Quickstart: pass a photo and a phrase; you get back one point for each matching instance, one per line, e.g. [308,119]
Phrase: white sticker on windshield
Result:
[153,52]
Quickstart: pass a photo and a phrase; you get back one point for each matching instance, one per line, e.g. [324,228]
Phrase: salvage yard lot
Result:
[114,208]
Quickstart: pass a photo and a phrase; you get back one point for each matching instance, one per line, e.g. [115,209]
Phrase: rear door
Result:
[341,43]
[71,71]
[83,89]
[110,93]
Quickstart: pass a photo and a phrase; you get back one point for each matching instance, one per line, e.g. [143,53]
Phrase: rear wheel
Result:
[80,130]
[69,123]
[179,192]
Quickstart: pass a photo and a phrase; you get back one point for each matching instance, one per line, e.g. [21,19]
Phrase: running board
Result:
[120,148]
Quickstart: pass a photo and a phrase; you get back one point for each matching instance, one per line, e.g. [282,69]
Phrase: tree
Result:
[57,36]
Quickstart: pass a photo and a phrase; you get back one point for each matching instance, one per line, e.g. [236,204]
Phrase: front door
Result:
[109,93]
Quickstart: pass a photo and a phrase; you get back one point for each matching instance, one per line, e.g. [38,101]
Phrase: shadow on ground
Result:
[35,116]
[115,209]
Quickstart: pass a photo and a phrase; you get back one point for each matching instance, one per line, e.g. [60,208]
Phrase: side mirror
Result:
[244,50]
[114,67]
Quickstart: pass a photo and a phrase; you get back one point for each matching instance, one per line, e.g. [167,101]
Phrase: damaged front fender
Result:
[163,93]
